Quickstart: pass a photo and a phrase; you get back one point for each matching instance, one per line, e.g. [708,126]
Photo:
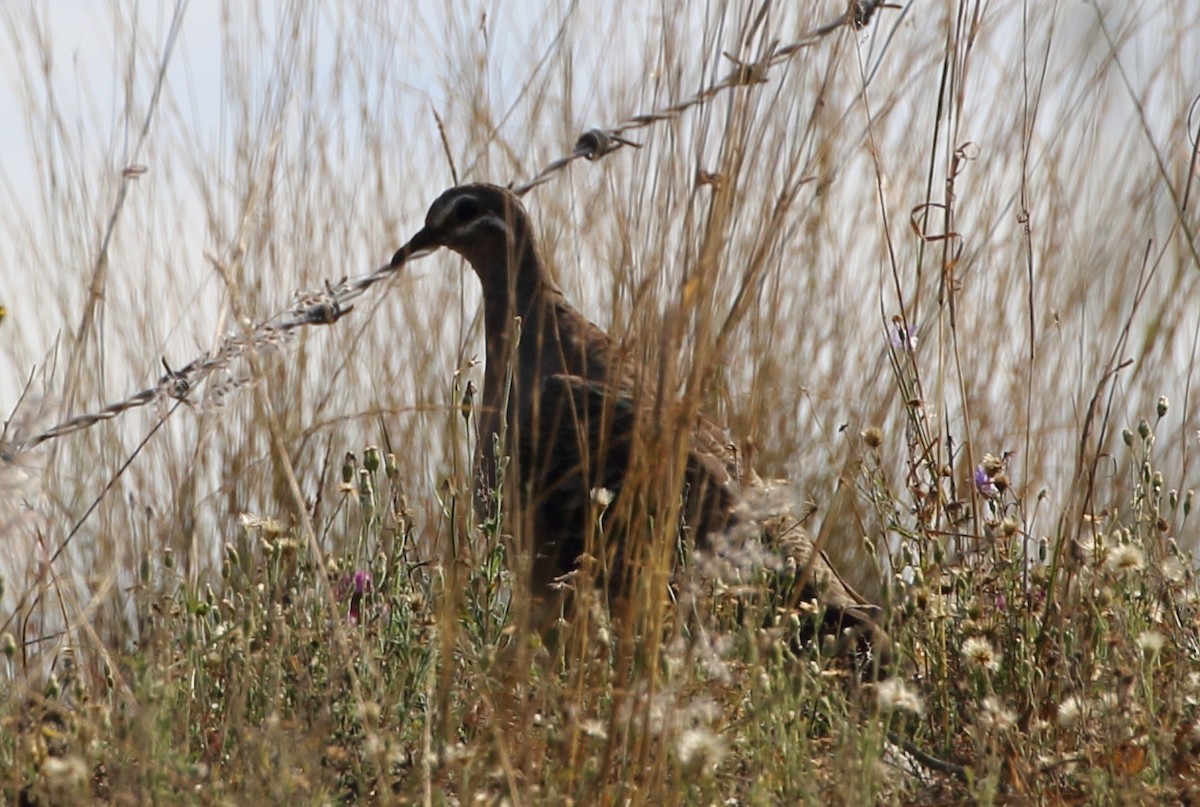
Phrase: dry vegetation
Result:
[229,599]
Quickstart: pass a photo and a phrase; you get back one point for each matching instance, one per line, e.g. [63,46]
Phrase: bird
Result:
[567,412]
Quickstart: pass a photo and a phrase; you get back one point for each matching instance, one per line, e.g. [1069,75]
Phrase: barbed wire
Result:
[330,304]
[596,143]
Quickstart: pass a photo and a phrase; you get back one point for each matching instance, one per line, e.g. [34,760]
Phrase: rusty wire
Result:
[330,304]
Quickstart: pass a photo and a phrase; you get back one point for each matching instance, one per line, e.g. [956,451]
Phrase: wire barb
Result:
[174,384]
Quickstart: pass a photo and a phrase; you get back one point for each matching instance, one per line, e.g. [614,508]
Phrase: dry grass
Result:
[208,602]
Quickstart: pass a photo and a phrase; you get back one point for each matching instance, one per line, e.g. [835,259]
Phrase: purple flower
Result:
[984,483]
[903,338]
[354,587]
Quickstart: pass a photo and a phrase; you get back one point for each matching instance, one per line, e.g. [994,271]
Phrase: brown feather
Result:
[568,409]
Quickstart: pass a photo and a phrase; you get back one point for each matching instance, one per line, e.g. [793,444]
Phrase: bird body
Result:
[565,412]
[559,401]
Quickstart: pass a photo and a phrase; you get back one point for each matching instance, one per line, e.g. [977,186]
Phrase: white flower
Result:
[979,652]
[1126,559]
[1151,642]
[1070,711]
[594,729]
[1173,571]
[602,497]
[894,695]
[700,748]
[995,715]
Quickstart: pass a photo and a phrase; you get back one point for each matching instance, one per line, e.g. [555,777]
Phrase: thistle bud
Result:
[872,436]
[468,401]
[389,465]
[366,491]
[371,458]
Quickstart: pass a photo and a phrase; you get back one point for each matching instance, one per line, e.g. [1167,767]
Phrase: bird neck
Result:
[516,286]
[528,293]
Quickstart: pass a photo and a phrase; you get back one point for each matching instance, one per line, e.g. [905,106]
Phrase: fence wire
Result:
[327,306]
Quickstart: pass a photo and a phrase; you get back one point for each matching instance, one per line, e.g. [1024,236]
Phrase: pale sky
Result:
[44,295]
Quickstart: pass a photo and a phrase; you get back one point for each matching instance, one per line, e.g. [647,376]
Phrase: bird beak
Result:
[422,243]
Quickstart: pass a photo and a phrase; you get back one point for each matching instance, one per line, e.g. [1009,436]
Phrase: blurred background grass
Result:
[298,143]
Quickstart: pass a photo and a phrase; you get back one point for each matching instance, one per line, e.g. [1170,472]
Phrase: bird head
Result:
[486,224]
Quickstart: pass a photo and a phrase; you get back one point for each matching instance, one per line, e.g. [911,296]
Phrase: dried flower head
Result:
[1070,711]
[594,729]
[979,652]
[700,749]
[1126,559]
[895,695]
[1151,642]
[1173,571]
[872,436]
[995,716]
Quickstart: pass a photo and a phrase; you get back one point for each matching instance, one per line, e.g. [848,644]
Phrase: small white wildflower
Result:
[594,729]
[602,497]
[979,652]
[1126,559]
[65,779]
[268,526]
[700,748]
[894,695]
[1173,571]
[994,715]
[1070,711]
[1151,642]
[701,710]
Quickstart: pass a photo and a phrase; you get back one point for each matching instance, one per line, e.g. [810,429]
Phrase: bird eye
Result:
[466,210]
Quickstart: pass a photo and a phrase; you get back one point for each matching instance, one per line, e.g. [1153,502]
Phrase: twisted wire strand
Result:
[330,304]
